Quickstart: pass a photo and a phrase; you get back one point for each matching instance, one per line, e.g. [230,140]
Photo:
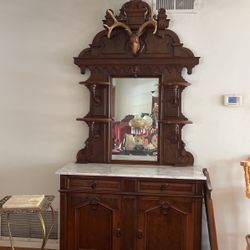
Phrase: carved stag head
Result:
[134,37]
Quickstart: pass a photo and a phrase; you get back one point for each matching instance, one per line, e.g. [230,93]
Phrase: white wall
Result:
[40,97]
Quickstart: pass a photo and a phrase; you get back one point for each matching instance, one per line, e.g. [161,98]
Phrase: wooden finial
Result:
[246,165]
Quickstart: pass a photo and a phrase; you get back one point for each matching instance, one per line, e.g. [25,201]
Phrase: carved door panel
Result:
[165,224]
[94,222]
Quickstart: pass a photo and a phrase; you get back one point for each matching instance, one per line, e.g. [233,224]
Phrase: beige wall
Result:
[40,97]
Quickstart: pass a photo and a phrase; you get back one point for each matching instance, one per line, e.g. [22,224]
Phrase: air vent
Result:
[28,225]
[177,6]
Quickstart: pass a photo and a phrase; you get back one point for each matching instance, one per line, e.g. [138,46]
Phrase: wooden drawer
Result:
[166,187]
[93,184]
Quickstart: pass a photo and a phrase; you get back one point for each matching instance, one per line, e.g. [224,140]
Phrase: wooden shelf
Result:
[94,119]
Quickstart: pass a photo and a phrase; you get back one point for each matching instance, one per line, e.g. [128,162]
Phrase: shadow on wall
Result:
[248,242]
[230,203]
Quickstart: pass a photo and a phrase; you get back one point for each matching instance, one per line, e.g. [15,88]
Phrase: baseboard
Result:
[30,244]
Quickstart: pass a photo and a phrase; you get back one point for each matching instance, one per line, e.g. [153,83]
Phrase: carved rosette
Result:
[163,56]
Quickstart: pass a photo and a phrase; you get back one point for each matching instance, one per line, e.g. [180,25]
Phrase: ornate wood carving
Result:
[161,55]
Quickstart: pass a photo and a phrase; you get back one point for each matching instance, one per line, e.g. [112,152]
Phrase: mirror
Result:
[134,107]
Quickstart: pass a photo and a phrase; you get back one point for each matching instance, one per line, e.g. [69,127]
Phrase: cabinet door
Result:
[94,222]
[168,224]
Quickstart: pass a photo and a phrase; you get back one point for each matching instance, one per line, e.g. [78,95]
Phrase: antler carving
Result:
[151,22]
[134,37]
[116,24]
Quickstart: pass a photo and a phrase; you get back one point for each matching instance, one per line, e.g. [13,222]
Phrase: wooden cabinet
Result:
[94,222]
[104,213]
[166,223]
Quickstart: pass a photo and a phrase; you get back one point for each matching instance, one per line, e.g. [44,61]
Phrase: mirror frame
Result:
[162,56]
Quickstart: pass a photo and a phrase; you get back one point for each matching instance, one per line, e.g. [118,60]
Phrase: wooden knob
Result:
[118,232]
[139,234]
[93,185]
[164,187]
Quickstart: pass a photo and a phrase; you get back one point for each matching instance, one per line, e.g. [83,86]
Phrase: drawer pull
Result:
[93,185]
[93,202]
[118,232]
[164,187]
[139,234]
[165,207]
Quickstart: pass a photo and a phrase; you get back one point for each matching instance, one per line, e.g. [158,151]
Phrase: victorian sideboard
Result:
[121,207]
[134,186]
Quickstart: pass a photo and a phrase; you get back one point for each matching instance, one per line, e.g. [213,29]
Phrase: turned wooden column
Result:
[246,165]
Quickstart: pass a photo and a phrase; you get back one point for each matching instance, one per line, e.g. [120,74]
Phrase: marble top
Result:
[137,171]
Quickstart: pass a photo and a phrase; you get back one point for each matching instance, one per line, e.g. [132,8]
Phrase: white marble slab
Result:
[141,171]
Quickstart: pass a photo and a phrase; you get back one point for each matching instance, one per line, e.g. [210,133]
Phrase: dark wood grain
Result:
[105,213]
[94,222]
[165,224]
[138,215]
[162,56]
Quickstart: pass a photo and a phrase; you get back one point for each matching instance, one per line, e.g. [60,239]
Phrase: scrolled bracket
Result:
[183,156]
[174,137]
[182,151]
[93,93]
[82,155]
[176,95]
[92,130]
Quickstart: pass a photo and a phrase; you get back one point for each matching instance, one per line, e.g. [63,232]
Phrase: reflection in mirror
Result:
[135,126]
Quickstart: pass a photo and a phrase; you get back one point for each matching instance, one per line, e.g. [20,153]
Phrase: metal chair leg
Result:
[9,229]
[45,233]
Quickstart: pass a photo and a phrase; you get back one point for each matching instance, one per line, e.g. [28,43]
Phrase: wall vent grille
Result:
[177,6]
[28,225]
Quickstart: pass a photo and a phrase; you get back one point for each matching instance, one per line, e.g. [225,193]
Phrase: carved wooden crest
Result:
[136,43]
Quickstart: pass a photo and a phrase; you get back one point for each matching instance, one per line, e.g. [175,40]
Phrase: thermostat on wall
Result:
[233,100]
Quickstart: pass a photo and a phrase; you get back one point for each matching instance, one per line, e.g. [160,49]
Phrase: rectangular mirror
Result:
[134,106]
